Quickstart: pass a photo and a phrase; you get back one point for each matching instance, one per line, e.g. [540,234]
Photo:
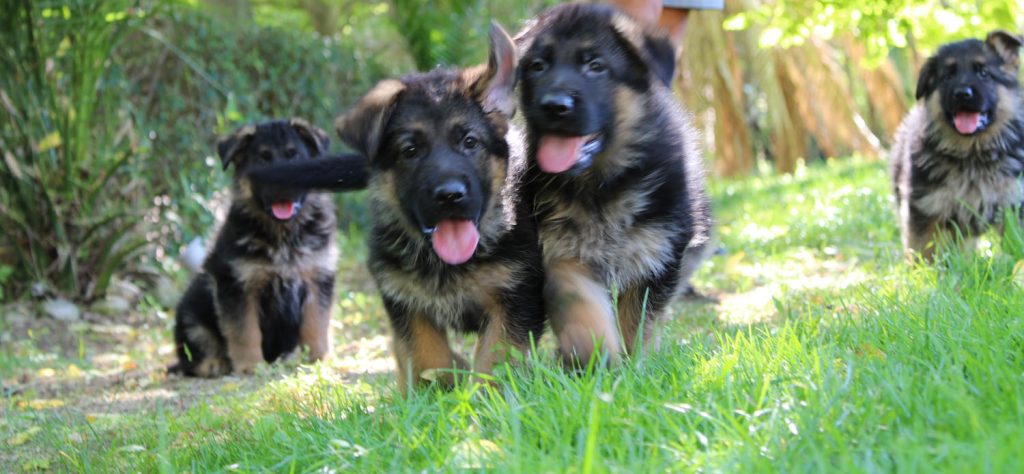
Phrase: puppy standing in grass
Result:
[452,246]
[958,156]
[268,283]
[615,177]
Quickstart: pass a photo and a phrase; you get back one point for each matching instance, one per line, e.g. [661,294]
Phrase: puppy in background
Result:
[268,283]
[958,156]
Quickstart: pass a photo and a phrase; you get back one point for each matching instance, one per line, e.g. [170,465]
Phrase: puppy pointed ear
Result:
[315,139]
[1008,46]
[231,147]
[495,88]
[926,79]
[652,48]
[361,128]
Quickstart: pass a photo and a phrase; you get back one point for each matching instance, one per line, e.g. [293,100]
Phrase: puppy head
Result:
[437,149]
[576,59]
[270,143]
[966,81]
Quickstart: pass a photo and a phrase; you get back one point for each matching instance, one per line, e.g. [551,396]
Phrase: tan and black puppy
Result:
[268,283]
[615,177]
[958,156]
[452,247]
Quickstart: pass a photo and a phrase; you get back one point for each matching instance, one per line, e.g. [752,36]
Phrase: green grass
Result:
[827,353]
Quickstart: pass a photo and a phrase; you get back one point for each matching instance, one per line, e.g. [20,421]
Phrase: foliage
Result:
[880,25]
[454,32]
[195,76]
[70,204]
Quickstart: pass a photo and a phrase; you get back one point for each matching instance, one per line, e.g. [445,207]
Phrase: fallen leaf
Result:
[476,454]
[41,403]
[48,142]
[36,465]
[46,373]
[74,372]
[1018,274]
[23,437]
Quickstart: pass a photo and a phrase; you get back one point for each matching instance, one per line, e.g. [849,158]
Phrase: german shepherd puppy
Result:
[615,177]
[268,282]
[958,156]
[451,246]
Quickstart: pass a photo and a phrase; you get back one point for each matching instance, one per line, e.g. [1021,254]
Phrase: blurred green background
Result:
[109,109]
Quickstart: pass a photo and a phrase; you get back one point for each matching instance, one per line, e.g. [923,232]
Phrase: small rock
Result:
[193,255]
[61,310]
[16,314]
[165,292]
[125,290]
[112,306]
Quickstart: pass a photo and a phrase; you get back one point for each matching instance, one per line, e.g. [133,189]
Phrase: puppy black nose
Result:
[557,103]
[963,93]
[450,192]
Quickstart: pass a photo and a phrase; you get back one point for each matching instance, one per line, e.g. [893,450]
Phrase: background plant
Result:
[70,205]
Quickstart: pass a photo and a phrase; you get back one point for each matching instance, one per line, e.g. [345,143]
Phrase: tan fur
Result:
[212,367]
[637,323]
[315,327]
[244,338]
[581,315]
[427,349]
[493,344]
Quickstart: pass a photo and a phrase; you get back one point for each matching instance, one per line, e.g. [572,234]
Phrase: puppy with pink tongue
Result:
[452,248]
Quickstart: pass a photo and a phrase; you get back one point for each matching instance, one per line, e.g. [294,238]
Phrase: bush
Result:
[69,211]
[111,111]
[194,78]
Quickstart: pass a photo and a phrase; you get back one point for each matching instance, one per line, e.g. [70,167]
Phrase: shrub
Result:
[68,213]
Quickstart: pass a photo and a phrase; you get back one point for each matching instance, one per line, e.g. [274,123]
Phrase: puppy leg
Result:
[921,237]
[581,313]
[420,346]
[239,319]
[639,318]
[315,328]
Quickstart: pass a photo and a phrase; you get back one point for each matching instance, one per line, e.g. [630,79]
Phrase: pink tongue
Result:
[455,240]
[967,122]
[283,210]
[558,154]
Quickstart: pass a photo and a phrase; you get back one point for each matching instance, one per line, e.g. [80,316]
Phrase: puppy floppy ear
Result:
[1007,45]
[315,139]
[230,147]
[652,48]
[927,78]
[361,128]
[495,88]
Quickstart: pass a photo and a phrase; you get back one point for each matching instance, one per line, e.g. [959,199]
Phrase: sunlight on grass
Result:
[825,352]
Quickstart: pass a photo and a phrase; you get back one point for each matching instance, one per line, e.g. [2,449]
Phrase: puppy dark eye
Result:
[983,72]
[596,66]
[409,151]
[537,65]
[470,142]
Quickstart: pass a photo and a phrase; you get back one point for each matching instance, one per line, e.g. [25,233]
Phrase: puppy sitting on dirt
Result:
[958,157]
[268,283]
